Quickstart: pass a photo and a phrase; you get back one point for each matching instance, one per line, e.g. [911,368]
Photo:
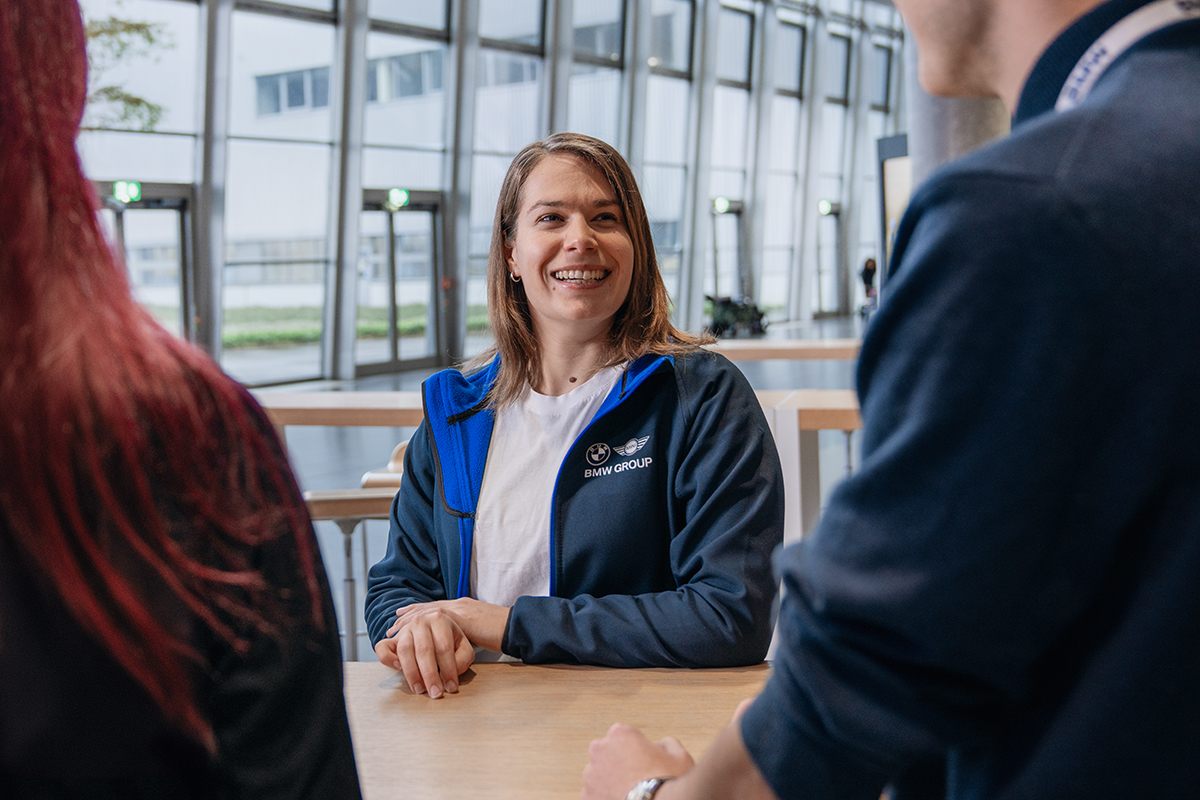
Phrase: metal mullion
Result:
[437,274]
[281,262]
[186,291]
[667,72]
[800,300]
[347,103]
[697,214]
[594,60]
[291,12]
[853,163]
[759,138]
[557,31]
[635,81]
[460,110]
[393,296]
[538,51]
[411,31]
[209,217]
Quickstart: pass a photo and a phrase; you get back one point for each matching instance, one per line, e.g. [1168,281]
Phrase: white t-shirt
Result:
[510,556]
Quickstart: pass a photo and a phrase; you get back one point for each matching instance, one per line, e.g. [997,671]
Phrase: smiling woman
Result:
[594,489]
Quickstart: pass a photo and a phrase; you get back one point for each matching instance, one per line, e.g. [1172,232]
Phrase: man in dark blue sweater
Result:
[1012,580]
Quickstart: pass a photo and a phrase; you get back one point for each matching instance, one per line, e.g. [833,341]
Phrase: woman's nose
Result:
[580,235]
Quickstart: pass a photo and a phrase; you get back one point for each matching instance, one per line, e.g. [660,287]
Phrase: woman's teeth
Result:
[579,275]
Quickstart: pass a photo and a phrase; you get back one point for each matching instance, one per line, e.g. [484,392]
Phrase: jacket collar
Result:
[451,394]
[1052,69]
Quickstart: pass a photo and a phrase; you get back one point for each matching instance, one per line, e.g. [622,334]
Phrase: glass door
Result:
[148,227]
[398,319]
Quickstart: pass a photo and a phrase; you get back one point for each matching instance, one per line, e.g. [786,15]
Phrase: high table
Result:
[347,409]
[795,417]
[521,731]
[790,349]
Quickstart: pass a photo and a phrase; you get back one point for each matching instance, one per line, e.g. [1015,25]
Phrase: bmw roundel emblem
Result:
[598,453]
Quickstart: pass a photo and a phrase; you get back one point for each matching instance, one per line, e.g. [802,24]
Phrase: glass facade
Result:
[261,144]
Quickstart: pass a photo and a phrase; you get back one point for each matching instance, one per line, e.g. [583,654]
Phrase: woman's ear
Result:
[508,255]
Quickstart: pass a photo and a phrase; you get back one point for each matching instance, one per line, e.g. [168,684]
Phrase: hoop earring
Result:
[514,278]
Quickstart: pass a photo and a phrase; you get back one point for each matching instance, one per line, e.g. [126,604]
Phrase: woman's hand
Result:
[431,650]
[625,756]
[483,623]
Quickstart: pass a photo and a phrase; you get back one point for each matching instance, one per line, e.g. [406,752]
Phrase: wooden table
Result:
[342,409]
[790,349]
[795,416]
[520,731]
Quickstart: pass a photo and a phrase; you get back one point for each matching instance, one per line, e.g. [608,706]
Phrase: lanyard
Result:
[1116,40]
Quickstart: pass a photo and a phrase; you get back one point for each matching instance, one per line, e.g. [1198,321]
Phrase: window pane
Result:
[157,66]
[666,120]
[780,222]
[785,133]
[152,256]
[277,209]
[320,87]
[487,173]
[298,58]
[511,20]
[671,34]
[881,77]
[405,98]
[384,168]
[117,155]
[731,111]
[426,13]
[321,5]
[734,35]
[662,188]
[594,103]
[776,283]
[832,133]
[837,68]
[269,101]
[507,102]
[599,28]
[295,89]
[789,58]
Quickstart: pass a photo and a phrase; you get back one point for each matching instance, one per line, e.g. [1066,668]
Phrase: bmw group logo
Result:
[598,453]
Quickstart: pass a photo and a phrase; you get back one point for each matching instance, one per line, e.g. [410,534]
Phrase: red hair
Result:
[129,457]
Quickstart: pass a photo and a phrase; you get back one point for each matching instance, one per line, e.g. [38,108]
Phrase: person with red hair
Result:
[166,628]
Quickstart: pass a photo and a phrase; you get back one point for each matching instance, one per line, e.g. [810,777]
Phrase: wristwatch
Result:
[645,790]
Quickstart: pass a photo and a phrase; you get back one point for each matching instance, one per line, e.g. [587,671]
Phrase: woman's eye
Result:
[549,218]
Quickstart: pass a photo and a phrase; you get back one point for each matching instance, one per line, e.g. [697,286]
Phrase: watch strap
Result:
[645,790]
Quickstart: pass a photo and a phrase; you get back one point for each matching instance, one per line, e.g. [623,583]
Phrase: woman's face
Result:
[571,249]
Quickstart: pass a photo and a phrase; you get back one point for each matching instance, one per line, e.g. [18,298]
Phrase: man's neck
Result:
[1022,30]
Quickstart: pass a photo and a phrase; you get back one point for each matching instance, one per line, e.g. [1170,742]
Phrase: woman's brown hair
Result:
[642,324]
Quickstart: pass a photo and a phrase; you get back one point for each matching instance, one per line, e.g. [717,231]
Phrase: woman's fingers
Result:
[432,652]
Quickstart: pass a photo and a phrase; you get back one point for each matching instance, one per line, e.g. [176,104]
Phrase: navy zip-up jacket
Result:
[659,557]
[1012,578]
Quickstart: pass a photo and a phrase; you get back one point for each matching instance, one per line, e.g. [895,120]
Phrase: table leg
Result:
[349,612]
[810,481]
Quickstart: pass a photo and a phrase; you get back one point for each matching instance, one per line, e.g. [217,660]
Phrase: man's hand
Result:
[625,756]
[430,649]
[483,623]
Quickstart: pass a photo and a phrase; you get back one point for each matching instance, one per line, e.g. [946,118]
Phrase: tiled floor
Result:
[336,458]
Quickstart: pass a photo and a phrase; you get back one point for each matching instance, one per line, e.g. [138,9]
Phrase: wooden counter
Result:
[520,731]
[789,349]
